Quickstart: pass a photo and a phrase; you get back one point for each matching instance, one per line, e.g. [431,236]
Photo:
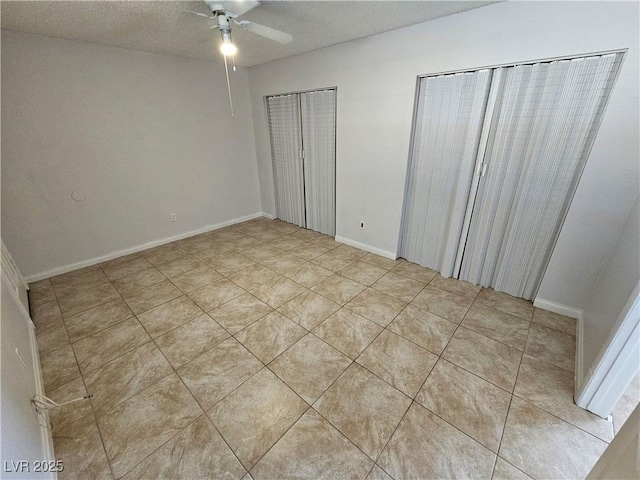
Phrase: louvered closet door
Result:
[318,110]
[286,145]
[447,131]
[546,118]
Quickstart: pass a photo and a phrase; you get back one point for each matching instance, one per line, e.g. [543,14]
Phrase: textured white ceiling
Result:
[167,27]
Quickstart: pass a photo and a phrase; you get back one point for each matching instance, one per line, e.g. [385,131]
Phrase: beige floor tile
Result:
[308,251]
[283,263]
[493,361]
[151,297]
[261,252]
[45,314]
[139,280]
[120,379]
[349,250]
[192,339]
[286,243]
[324,241]
[552,346]
[552,388]
[215,294]
[364,408]
[334,261]
[398,361]
[67,418]
[377,473]
[311,449]
[348,332]
[363,272]
[379,261]
[338,289]
[123,266]
[212,254]
[215,373]
[447,305]
[555,321]
[399,286]
[309,309]
[423,328]
[41,292]
[414,271]
[455,286]
[52,338]
[59,367]
[135,428]
[196,244]
[110,343]
[424,446]
[467,402]
[309,367]
[277,293]
[308,275]
[240,312]
[376,306]
[500,326]
[243,243]
[193,280]
[163,254]
[253,276]
[82,454]
[86,299]
[505,471]
[183,264]
[74,283]
[506,303]
[270,336]
[230,263]
[256,415]
[198,451]
[169,315]
[543,446]
[96,319]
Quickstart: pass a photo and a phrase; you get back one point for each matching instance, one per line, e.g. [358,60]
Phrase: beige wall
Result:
[140,135]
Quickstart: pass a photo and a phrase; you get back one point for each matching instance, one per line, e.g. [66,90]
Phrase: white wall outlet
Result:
[361,224]
[173,217]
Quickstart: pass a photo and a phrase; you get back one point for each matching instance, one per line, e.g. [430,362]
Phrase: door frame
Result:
[616,363]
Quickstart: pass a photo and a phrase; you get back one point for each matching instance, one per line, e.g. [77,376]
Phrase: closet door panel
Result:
[542,131]
[447,129]
[318,111]
[286,145]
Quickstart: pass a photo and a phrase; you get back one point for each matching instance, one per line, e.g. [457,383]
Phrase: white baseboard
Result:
[580,367]
[138,248]
[368,248]
[268,215]
[558,308]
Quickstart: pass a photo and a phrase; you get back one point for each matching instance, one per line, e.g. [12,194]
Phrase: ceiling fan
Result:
[225,14]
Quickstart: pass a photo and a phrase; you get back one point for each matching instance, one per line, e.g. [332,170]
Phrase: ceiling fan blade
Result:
[268,32]
[240,7]
[199,14]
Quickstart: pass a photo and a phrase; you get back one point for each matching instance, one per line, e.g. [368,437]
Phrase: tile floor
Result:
[266,351]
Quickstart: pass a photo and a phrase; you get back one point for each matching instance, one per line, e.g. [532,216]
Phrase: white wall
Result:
[376,80]
[141,135]
[611,292]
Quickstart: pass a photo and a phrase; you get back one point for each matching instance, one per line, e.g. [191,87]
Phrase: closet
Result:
[496,156]
[302,131]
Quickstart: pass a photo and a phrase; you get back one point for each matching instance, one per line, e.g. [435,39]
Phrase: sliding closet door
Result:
[545,122]
[318,110]
[447,130]
[286,146]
